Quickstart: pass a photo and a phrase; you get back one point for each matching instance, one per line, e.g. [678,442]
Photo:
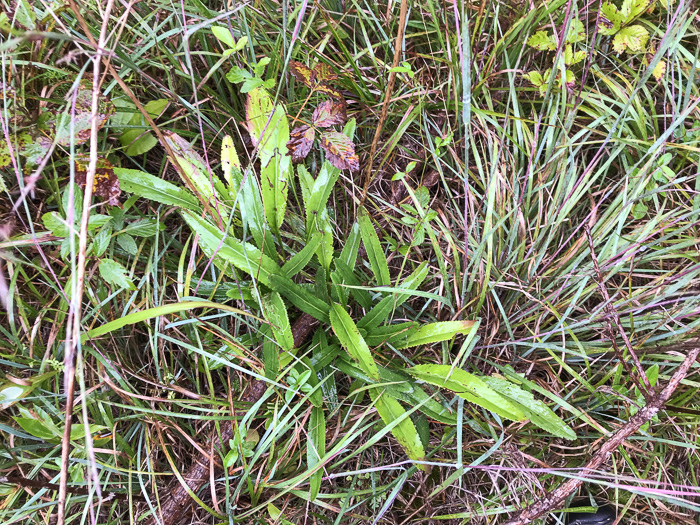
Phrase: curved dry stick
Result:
[177,504]
[555,498]
[387,97]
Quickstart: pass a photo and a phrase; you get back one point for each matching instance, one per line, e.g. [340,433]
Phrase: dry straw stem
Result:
[75,317]
[554,499]
[387,98]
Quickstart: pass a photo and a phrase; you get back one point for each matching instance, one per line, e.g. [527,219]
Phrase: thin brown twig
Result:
[387,98]
[75,318]
[614,317]
[554,499]
[177,504]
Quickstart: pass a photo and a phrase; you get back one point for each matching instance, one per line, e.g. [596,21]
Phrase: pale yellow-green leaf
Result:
[351,339]
[571,58]
[659,70]
[468,386]
[534,77]
[633,8]
[542,41]
[576,33]
[631,39]
[390,410]
[610,19]
[223,35]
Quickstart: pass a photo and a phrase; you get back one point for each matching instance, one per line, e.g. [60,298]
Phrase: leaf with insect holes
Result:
[300,142]
[106,184]
[631,39]
[340,151]
[329,113]
[542,41]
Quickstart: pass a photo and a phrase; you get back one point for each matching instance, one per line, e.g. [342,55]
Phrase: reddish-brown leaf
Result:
[106,183]
[300,142]
[340,151]
[301,72]
[329,113]
[323,73]
[317,79]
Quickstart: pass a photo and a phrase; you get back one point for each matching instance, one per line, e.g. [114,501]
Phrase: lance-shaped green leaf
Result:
[193,168]
[299,260]
[352,340]
[316,449]
[274,184]
[276,313]
[535,410]
[242,255]
[469,387]
[253,214]
[401,387]
[300,297]
[391,411]
[269,130]
[383,308]
[154,188]
[377,259]
[435,332]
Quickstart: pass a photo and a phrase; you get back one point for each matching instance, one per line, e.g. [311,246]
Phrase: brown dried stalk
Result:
[614,318]
[554,499]
[177,504]
[387,96]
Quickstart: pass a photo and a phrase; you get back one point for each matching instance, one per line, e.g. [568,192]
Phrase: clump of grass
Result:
[498,183]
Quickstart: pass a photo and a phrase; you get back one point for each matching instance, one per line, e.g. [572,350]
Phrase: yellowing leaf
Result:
[631,39]
[301,72]
[633,8]
[105,184]
[571,58]
[659,70]
[534,77]
[229,161]
[542,41]
[267,124]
